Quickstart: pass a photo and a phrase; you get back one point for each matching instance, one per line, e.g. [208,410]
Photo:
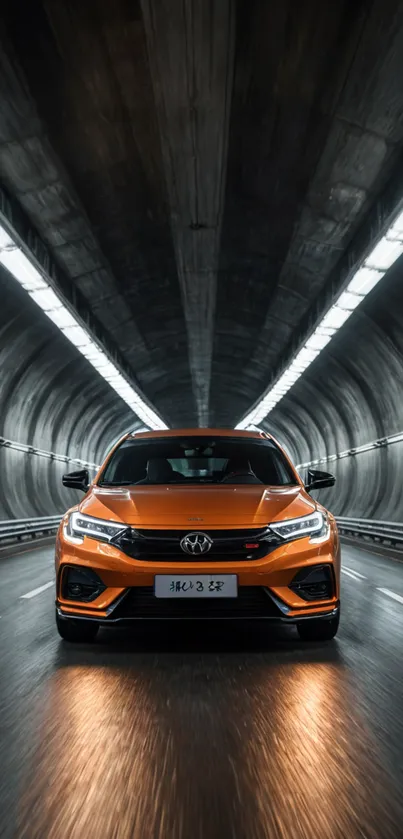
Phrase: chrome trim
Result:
[277,602]
[111,608]
[287,609]
[325,615]
[113,621]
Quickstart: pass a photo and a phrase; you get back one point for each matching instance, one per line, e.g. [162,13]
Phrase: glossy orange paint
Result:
[213,507]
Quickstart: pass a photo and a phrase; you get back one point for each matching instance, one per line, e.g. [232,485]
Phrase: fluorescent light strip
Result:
[63,458]
[367,447]
[13,258]
[382,257]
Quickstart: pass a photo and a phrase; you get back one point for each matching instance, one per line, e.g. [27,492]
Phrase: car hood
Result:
[197,507]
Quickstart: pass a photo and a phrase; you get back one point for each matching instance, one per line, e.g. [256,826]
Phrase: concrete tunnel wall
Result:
[51,398]
[350,396]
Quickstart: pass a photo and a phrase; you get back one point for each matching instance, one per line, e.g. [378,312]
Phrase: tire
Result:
[318,630]
[76,632]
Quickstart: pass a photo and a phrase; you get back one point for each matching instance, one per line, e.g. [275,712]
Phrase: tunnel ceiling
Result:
[198,170]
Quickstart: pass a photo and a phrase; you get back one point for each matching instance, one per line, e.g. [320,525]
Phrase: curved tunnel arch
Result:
[349,397]
[52,400]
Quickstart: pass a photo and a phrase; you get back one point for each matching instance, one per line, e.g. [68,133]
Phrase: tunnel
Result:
[201,227]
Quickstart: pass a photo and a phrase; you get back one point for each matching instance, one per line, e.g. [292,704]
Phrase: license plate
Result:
[201,585]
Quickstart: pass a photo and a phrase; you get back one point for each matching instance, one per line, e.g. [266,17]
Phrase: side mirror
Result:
[319,480]
[77,480]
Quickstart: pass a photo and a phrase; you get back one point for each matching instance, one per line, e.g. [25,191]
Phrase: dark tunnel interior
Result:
[201,253]
[201,229]
[351,396]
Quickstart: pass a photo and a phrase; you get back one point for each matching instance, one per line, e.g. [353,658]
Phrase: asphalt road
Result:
[202,732]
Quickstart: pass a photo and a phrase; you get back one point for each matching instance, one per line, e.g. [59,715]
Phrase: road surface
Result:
[202,731]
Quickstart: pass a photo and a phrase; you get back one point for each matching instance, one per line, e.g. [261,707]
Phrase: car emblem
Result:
[195,518]
[196,543]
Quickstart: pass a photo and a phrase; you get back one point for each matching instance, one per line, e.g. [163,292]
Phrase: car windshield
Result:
[197,460]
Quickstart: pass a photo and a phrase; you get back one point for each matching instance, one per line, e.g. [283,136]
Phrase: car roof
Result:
[203,432]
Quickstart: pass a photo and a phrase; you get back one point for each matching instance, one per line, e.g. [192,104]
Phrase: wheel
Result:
[77,632]
[318,630]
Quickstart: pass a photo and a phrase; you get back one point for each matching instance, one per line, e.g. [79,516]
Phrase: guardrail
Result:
[387,532]
[18,528]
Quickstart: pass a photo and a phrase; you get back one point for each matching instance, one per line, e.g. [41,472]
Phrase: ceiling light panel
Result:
[397,227]
[14,259]
[384,254]
[61,318]
[20,267]
[364,281]
[46,299]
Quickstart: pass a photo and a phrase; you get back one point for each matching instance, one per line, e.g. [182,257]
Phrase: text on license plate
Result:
[196,585]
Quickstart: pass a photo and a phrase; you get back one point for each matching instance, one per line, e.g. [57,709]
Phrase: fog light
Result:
[75,590]
[314,583]
[81,584]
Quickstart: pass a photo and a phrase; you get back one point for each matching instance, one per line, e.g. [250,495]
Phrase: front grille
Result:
[228,545]
[140,602]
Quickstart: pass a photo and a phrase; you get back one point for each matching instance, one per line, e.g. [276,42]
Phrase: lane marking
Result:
[391,594]
[356,573]
[36,591]
[353,576]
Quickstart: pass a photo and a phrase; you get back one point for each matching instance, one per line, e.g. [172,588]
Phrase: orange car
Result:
[197,524]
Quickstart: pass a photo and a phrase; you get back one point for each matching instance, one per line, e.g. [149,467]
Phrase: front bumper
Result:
[252,603]
[263,585]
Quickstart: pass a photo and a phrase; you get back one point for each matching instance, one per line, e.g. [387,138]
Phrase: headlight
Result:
[79,526]
[311,525]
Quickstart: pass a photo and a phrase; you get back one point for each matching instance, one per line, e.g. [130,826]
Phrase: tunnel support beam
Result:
[191,54]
